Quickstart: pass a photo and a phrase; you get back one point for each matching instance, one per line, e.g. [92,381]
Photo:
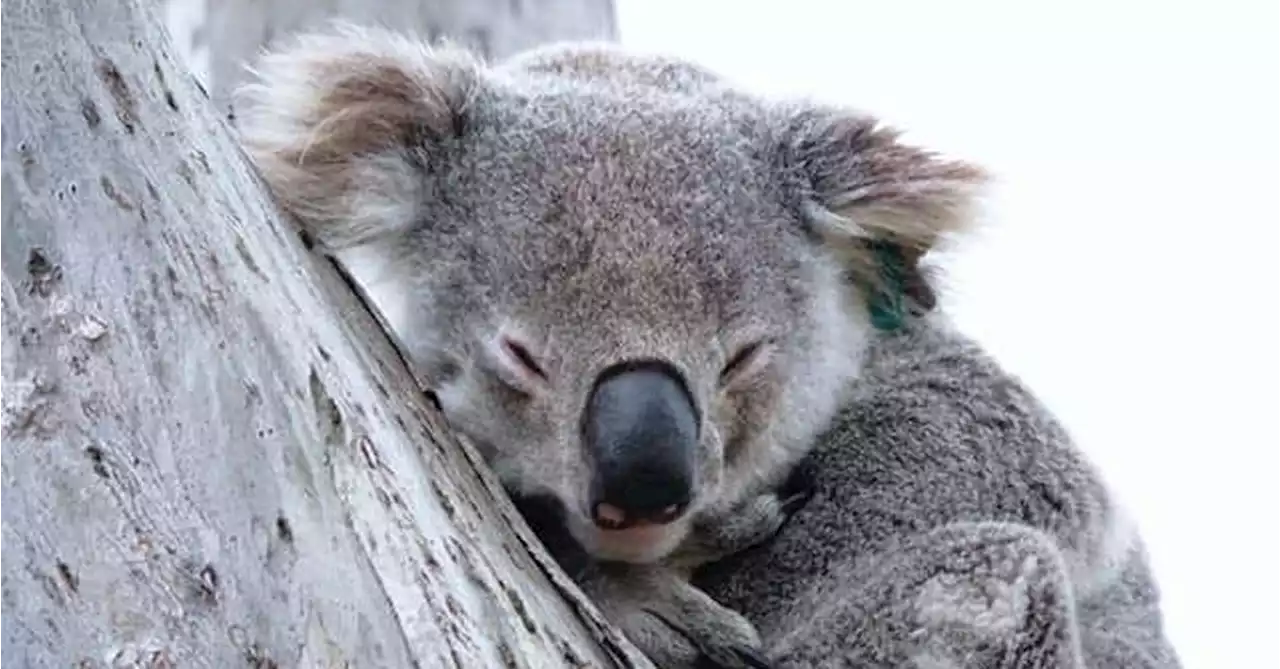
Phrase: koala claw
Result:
[673,623]
[720,533]
[800,487]
[740,657]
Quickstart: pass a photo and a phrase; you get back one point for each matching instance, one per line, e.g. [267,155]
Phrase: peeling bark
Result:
[213,456]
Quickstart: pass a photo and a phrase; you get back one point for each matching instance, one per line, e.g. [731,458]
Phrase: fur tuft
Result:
[341,124]
[611,63]
[864,185]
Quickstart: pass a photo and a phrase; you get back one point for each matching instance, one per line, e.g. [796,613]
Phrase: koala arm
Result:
[966,594]
[970,594]
[656,607]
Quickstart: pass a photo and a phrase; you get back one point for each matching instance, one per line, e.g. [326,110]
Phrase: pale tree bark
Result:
[220,36]
[212,455]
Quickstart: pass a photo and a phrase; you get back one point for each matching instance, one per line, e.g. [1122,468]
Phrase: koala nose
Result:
[641,431]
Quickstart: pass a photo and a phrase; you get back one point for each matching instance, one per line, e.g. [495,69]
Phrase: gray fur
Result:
[955,524]
[592,206]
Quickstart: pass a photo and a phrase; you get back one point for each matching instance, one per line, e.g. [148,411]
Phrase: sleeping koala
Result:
[640,291]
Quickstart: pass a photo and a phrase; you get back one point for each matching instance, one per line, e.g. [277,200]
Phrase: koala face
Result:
[633,287]
[615,303]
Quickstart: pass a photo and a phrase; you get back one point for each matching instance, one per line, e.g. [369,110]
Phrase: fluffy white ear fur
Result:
[341,123]
[866,186]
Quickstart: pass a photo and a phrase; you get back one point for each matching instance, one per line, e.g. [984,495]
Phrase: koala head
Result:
[633,286]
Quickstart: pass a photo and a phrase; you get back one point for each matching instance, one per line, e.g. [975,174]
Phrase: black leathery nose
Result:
[641,430]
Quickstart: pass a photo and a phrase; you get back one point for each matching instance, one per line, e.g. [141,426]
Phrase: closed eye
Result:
[745,361]
[513,364]
[520,354]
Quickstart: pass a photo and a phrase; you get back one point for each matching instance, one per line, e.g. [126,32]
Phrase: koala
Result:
[954,524]
[639,290]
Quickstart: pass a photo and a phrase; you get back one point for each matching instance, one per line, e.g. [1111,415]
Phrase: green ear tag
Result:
[887,304]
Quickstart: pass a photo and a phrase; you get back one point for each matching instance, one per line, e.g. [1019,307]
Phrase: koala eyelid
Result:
[743,360]
[521,355]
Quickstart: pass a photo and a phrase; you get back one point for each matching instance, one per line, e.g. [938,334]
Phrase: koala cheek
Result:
[728,429]
[572,482]
[711,458]
[452,398]
[442,370]
[469,412]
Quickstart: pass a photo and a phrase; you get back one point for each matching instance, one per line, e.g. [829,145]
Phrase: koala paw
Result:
[673,623]
[759,518]
[720,533]
[800,487]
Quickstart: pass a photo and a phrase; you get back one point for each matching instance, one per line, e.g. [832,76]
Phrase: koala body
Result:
[641,291]
[954,524]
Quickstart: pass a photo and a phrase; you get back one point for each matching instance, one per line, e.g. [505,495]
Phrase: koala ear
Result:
[342,124]
[879,203]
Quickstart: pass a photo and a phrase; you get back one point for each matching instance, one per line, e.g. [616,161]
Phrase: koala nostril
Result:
[645,493]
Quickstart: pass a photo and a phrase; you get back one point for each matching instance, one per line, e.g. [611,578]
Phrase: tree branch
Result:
[212,453]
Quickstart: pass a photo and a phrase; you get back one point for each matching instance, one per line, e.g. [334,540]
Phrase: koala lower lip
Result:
[639,543]
[635,536]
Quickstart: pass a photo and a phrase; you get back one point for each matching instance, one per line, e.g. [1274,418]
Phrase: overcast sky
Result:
[1129,273]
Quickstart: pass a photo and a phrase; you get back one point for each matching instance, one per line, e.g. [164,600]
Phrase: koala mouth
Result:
[612,518]
[639,542]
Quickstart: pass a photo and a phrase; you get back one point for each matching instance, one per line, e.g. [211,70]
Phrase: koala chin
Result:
[640,545]
[641,290]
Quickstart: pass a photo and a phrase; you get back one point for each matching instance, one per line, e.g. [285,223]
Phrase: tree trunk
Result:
[220,36]
[213,456]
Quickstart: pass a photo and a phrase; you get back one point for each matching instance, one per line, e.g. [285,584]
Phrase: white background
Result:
[1129,272]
